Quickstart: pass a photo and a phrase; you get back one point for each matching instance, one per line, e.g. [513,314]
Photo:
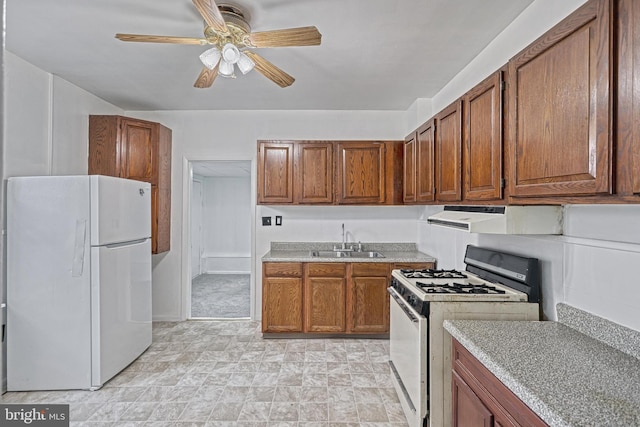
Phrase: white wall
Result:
[226,224]
[46,121]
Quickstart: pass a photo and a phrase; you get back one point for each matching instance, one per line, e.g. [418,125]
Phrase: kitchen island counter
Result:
[565,373]
[301,252]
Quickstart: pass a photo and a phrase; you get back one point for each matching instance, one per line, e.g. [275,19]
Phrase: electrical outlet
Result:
[278,220]
[266,220]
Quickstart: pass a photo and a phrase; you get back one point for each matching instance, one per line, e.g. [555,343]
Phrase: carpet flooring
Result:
[220,296]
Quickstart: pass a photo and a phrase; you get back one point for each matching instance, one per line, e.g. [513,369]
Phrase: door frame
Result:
[191,206]
[187,178]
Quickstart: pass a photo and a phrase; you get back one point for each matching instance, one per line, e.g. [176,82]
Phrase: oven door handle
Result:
[402,305]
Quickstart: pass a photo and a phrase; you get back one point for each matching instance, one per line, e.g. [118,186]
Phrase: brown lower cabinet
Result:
[282,297]
[325,295]
[480,399]
[369,297]
[327,298]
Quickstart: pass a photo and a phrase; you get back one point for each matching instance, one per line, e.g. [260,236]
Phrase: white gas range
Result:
[494,286]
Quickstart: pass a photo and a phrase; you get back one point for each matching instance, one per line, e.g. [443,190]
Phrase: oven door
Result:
[408,358]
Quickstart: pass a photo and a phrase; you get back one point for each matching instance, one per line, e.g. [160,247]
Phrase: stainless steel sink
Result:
[329,254]
[369,254]
[346,254]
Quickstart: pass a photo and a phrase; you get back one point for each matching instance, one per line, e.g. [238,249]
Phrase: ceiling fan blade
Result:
[303,36]
[206,77]
[160,39]
[211,14]
[270,71]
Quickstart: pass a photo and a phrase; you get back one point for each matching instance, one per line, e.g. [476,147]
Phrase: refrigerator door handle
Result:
[129,243]
[78,250]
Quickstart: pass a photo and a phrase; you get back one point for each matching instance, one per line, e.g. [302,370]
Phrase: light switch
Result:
[278,220]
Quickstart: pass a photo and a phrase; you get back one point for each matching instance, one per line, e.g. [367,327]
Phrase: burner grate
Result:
[458,288]
[433,274]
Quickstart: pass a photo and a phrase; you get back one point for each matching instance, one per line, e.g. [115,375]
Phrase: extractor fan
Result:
[230,36]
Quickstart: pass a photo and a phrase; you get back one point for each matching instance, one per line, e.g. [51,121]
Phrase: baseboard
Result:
[227,272]
[166,319]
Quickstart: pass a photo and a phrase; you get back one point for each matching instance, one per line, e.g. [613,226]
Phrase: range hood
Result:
[501,219]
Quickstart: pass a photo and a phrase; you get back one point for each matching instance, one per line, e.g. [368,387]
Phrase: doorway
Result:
[220,216]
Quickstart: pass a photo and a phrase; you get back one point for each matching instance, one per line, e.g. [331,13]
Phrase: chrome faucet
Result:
[344,242]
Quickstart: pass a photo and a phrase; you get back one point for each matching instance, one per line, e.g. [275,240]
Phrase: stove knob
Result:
[411,299]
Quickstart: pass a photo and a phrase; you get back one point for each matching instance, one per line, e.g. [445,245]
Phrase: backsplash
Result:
[591,267]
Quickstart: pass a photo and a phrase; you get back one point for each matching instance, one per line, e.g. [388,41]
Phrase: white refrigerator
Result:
[78,279]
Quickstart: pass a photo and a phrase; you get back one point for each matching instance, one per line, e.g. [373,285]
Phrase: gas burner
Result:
[458,288]
[433,274]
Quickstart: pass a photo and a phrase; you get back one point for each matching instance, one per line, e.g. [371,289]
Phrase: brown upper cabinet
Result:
[482,159]
[141,150]
[313,168]
[560,108]
[425,162]
[628,107]
[361,173]
[409,171]
[275,172]
[419,165]
[329,172]
[448,153]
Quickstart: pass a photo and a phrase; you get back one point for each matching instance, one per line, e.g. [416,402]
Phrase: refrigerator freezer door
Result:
[120,210]
[121,307]
[48,284]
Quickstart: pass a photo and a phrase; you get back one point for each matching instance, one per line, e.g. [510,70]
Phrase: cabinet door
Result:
[369,297]
[160,219]
[370,304]
[139,150]
[409,169]
[482,160]
[449,153]
[425,162]
[282,304]
[314,172]
[325,304]
[275,172]
[468,409]
[104,145]
[559,102]
[361,173]
[628,111]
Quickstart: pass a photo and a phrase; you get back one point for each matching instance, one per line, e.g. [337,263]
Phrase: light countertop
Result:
[301,252]
[567,377]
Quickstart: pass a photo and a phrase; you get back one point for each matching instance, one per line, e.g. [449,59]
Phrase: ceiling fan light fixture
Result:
[245,64]
[210,58]
[230,53]
[226,69]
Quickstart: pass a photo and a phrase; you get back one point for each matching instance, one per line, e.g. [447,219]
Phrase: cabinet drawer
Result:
[369,269]
[282,269]
[326,269]
[413,265]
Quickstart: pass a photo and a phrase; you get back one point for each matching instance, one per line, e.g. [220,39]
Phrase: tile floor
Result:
[222,373]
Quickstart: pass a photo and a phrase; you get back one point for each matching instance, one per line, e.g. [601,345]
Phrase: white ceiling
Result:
[375,54]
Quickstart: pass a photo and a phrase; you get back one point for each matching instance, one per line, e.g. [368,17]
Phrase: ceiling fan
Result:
[228,31]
